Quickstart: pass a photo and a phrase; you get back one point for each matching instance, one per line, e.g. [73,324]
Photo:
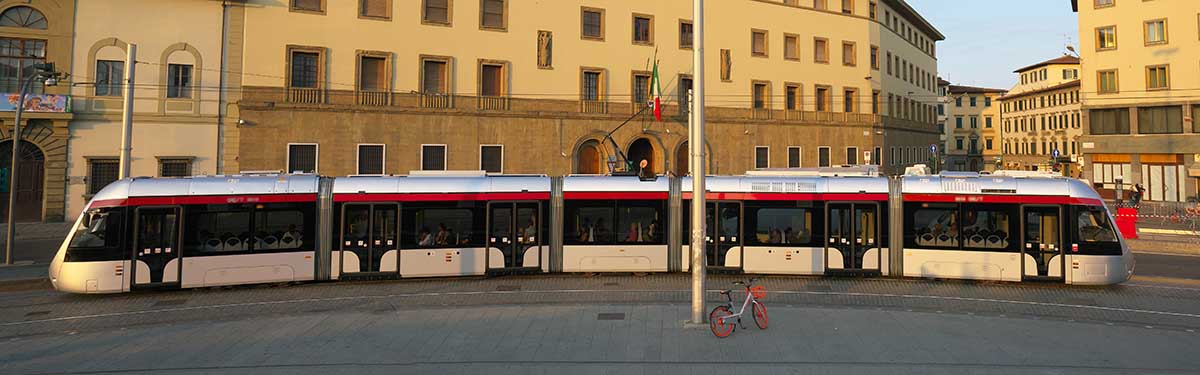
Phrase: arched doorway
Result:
[587,158]
[682,159]
[30,179]
[639,150]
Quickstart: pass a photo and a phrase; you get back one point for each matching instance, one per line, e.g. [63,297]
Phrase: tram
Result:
[204,231]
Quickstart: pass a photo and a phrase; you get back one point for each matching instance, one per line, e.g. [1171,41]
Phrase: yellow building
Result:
[177,91]
[1139,79]
[971,134]
[536,87]
[36,32]
[1040,116]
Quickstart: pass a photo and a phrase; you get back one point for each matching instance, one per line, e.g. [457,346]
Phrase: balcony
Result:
[761,113]
[493,103]
[374,98]
[436,100]
[593,106]
[306,95]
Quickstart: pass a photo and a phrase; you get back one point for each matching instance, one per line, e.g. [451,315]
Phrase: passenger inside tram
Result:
[443,235]
[424,238]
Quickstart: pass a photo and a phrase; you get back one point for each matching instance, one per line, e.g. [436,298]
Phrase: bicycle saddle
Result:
[726,291]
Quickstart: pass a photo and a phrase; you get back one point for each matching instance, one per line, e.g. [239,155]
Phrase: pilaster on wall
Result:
[231,67]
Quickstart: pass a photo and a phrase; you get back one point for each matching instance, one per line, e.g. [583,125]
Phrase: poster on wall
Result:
[37,103]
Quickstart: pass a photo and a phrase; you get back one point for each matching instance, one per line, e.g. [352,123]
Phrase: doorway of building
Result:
[30,181]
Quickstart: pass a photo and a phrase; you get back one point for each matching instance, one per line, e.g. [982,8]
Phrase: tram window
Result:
[217,229]
[279,230]
[1094,232]
[989,227]
[99,238]
[589,222]
[932,225]
[779,226]
[640,222]
[444,227]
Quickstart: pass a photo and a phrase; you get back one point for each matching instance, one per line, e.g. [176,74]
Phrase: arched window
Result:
[23,16]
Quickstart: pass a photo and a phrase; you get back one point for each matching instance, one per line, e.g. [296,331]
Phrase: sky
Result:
[986,40]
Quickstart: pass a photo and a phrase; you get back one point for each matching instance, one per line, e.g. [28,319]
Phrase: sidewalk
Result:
[1174,244]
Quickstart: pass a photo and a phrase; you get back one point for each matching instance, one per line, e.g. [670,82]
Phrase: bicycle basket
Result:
[759,292]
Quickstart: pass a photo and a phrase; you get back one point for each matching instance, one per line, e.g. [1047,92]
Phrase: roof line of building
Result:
[1063,60]
[1041,90]
[960,89]
[913,16]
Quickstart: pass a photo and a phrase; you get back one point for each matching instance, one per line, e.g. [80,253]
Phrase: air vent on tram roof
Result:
[839,171]
[782,187]
[1026,174]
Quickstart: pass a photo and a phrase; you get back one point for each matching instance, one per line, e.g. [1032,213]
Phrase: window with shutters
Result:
[436,12]
[820,4]
[849,54]
[491,79]
[591,88]
[823,156]
[794,157]
[875,102]
[686,38]
[592,23]
[19,55]
[312,6]
[758,43]
[850,100]
[305,69]
[378,9]
[302,158]
[792,94]
[640,90]
[791,47]
[823,100]
[491,158]
[433,157]
[821,50]
[101,172]
[643,29]
[848,6]
[174,166]
[851,155]
[370,159]
[1106,38]
[493,15]
[1109,121]
[372,73]
[761,95]
[875,57]
[435,75]
[685,85]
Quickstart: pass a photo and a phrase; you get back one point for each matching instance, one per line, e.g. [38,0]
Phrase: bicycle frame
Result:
[745,305]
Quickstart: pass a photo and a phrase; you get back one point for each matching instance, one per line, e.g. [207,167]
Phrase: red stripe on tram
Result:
[440,197]
[609,195]
[204,199]
[1011,199]
[858,197]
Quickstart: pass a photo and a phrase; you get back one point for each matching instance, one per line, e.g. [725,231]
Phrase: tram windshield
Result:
[93,231]
[1094,225]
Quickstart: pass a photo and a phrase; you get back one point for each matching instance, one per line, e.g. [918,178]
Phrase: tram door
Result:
[156,260]
[369,233]
[1043,241]
[852,229]
[515,229]
[724,223]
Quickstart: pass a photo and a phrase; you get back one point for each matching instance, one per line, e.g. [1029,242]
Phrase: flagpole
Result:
[696,145]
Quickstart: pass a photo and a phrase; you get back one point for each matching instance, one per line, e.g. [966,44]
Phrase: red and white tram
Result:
[226,230]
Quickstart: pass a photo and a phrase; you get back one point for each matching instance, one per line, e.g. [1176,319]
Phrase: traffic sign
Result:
[1054,153]
[933,148]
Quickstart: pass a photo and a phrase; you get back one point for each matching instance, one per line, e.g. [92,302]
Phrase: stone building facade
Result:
[34,32]
[1041,118]
[1138,80]
[971,132]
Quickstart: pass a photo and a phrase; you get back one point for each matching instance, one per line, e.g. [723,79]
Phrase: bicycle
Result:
[721,319]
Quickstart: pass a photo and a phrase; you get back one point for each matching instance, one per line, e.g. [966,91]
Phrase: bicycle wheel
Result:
[720,327]
[760,314]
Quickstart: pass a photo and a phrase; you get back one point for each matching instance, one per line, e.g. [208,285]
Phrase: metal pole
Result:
[696,145]
[12,174]
[127,114]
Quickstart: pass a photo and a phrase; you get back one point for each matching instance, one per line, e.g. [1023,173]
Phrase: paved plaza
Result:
[605,324]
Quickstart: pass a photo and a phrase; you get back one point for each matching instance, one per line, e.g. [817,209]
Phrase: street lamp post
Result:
[41,71]
[696,143]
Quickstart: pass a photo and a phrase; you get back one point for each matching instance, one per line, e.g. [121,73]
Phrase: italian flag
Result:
[656,93]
